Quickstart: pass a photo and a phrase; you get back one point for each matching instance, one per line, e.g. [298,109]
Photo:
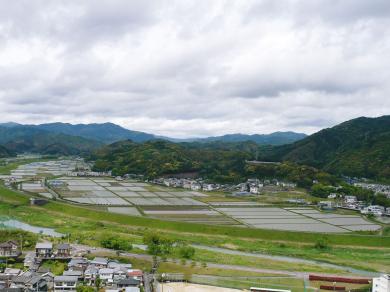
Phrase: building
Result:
[78,274]
[63,250]
[196,186]
[9,249]
[381,284]
[29,281]
[136,274]
[374,209]
[100,262]
[12,272]
[350,199]
[78,264]
[29,260]
[91,274]
[254,189]
[106,275]
[65,283]
[128,282]
[44,250]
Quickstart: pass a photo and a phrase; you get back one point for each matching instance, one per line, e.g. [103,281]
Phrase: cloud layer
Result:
[195,68]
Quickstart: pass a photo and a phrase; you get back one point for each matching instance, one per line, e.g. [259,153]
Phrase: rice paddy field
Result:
[46,168]
[135,198]
[142,199]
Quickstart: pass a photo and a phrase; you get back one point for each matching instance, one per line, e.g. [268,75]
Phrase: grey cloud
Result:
[195,68]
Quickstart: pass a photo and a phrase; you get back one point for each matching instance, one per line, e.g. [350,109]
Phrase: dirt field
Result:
[185,287]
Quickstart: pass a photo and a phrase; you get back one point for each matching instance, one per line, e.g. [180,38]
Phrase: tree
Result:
[98,283]
[158,245]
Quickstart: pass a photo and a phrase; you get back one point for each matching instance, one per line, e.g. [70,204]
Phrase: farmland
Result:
[89,223]
[142,199]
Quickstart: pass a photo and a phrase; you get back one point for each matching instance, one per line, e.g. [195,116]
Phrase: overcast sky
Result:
[195,68]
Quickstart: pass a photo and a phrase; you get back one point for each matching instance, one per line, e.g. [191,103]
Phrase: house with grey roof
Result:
[29,281]
[99,262]
[9,248]
[65,283]
[44,249]
[63,250]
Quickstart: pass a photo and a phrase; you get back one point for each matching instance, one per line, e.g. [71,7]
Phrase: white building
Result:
[254,189]
[374,209]
[106,275]
[196,186]
[381,284]
[350,199]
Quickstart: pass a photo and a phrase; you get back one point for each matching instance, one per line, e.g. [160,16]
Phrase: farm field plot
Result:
[110,192]
[300,219]
[350,222]
[125,210]
[55,167]
[204,216]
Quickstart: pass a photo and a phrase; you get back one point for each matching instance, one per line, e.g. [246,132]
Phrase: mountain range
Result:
[109,133]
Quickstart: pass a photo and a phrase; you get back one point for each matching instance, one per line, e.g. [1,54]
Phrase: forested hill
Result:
[106,132]
[218,162]
[19,139]
[4,152]
[359,147]
[276,138]
[158,157]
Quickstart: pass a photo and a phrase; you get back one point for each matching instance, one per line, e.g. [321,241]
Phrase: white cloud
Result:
[195,68]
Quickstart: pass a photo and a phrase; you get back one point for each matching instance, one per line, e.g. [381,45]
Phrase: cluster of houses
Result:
[186,183]
[351,202]
[250,187]
[376,188]
[88,173]
[255,186]
[111,275]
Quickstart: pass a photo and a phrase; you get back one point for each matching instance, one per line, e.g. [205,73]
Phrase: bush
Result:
[116,243]
[186,251]
[322,244]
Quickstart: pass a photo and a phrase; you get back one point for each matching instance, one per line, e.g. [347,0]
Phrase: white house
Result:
[350,199]
[196,186]
[253,189]
[106,275]
[208,187]
[381,284]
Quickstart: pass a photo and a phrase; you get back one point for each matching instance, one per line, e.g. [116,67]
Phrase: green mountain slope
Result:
[359,147]
[21,139]
[110,133]
[277,138]
[156,158]
[4,152]
[106,132]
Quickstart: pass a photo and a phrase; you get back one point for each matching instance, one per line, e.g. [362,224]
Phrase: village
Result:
[98,272]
